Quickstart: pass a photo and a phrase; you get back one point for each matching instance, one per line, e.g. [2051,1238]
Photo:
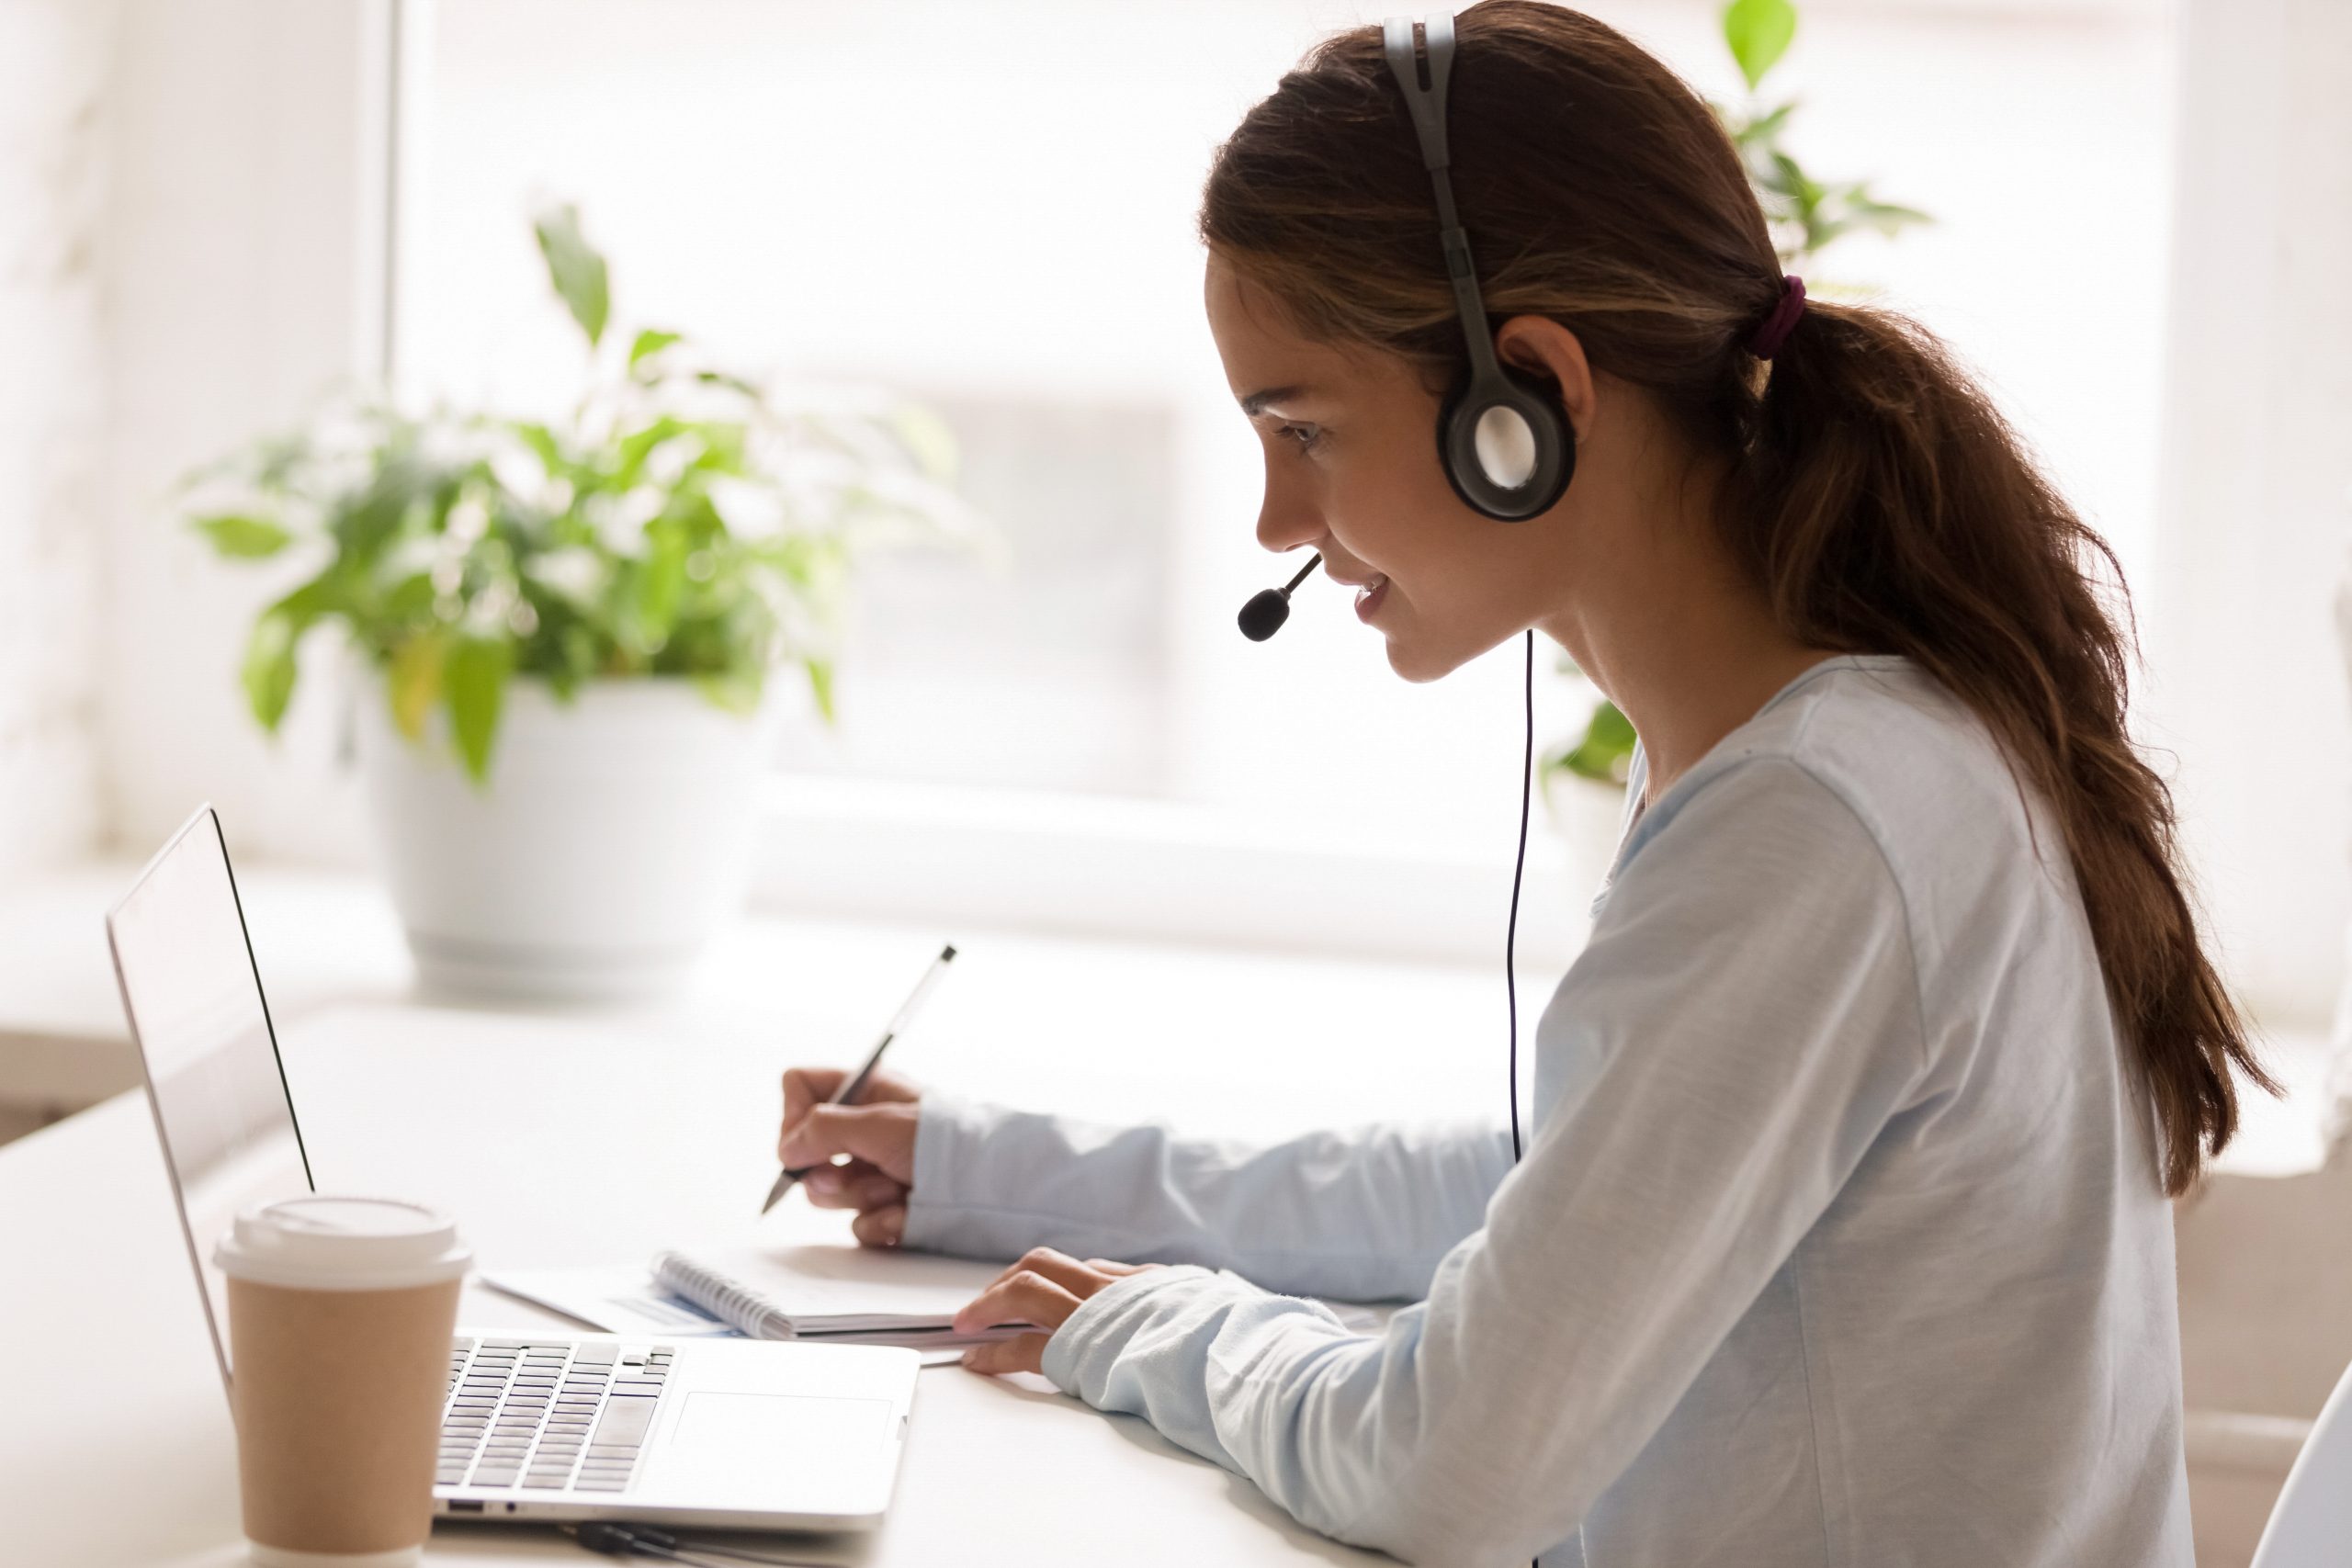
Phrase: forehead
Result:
[1256,339]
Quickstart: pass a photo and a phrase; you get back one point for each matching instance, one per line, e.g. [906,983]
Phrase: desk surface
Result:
[601,1137]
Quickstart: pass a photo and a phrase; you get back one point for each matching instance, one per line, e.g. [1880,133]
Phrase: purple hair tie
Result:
[1781,321]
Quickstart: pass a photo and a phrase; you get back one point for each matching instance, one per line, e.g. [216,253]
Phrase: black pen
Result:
[855,1085]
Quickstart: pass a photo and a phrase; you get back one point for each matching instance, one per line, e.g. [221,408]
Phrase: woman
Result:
[1842,1233]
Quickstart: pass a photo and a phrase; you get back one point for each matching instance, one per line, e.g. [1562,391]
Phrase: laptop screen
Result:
[194,998]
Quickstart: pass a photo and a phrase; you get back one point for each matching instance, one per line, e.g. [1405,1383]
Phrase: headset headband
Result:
[1428,107]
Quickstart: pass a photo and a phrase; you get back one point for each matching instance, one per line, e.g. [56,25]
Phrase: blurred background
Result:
[218,210]
[214,213]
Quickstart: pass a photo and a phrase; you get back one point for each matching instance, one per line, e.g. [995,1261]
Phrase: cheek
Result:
[1395,509]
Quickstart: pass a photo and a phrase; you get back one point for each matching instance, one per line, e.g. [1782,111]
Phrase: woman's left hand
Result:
[1044,1288]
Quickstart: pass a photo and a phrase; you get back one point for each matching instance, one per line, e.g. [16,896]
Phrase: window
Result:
[990,205]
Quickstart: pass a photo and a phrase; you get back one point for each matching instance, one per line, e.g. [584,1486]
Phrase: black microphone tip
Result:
[1264,615]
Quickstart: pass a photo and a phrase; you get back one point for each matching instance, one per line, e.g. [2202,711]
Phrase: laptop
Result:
[537,1427]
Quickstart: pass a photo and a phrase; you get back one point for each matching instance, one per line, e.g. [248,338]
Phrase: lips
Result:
[1369,596]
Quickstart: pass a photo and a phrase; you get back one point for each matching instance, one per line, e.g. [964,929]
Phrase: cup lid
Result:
[328,1242]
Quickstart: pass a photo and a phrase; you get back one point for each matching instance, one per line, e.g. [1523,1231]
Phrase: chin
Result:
[1420,665]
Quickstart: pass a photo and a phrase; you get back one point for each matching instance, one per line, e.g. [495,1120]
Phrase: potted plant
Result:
[569,628]
[1584,779]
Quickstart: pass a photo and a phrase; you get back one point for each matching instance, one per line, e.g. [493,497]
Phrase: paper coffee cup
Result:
[341,1311]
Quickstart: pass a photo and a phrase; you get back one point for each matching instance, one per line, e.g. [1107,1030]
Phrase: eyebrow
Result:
[1255,403]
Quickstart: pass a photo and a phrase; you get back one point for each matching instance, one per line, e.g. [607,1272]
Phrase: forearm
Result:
[1361,1215]
[1362,1438]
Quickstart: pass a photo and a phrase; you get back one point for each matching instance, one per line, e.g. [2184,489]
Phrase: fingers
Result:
[882,1134]
[807,1086]
[1044,1288]
[855,1185]
[1058,1267]
[1025,1353]
[1021,1296]
[880,1227]
[887,1087]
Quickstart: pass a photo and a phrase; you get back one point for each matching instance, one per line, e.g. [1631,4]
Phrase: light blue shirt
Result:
[1840,1238]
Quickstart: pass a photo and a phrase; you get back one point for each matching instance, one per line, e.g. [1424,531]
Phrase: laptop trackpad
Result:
[753,1435]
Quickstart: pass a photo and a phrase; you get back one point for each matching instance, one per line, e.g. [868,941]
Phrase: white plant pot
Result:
[612,836]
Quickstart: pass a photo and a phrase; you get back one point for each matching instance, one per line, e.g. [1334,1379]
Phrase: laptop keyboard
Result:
[549,1416]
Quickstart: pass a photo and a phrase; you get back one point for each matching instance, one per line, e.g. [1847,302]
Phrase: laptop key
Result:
[627,1418]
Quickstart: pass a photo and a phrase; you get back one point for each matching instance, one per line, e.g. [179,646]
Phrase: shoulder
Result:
[1872,751]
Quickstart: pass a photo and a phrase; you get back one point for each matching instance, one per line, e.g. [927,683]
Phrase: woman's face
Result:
[1351,470]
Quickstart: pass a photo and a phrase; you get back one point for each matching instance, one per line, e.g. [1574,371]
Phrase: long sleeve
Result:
[1744,1022]
[1360,1215]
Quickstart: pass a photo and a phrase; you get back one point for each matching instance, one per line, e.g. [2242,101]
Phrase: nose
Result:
[1286,517]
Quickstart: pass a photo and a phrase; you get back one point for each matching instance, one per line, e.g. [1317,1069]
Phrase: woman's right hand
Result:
[873,1140]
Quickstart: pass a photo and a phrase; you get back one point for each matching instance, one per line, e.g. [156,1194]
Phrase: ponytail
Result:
[1885,506]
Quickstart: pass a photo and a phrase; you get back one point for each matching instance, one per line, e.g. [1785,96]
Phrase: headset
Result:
[1503,437]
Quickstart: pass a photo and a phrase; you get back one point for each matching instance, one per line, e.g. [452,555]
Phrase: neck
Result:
[1669,630]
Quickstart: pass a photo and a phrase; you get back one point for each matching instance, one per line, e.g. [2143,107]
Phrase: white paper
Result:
[618,1300]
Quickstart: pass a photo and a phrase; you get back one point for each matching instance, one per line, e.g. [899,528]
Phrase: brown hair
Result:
[1875,496]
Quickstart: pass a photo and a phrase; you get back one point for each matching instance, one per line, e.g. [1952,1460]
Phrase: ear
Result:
[1545,348]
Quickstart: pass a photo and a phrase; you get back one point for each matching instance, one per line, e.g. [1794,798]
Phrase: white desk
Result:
[115,1445]
[596,1139]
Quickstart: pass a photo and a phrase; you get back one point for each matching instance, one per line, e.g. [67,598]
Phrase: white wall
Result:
[244,250]
[233,161]
[53,94]
[2248,683]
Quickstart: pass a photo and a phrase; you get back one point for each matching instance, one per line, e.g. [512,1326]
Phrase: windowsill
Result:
[1160,871]
[324,938]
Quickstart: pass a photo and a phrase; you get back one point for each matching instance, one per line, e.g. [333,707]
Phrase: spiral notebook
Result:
[838,1295]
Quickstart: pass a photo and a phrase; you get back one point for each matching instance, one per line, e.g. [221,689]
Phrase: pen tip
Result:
[947,953]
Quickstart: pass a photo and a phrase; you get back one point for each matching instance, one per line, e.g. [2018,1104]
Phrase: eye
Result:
[1303,437]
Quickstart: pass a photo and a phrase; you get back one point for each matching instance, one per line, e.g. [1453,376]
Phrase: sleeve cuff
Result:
[946,1134]
[1104,1323]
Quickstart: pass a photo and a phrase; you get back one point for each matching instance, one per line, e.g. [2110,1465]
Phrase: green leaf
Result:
[820,686]
[245,538]
[575,269]
[648,342]
[269,664]
[474,677]
[1759,32]
[633,448]
[541,440]
[1883,216]
[1765,129]
[733,383]
[1606,753]
[414,681]
[364,524]
[405,603]
[736,691]
[576,647]
[269,667]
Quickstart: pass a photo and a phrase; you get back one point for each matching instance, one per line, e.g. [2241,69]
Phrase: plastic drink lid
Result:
[328,1243]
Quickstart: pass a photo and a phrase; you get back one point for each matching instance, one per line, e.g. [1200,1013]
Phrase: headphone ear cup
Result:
[1506,446]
